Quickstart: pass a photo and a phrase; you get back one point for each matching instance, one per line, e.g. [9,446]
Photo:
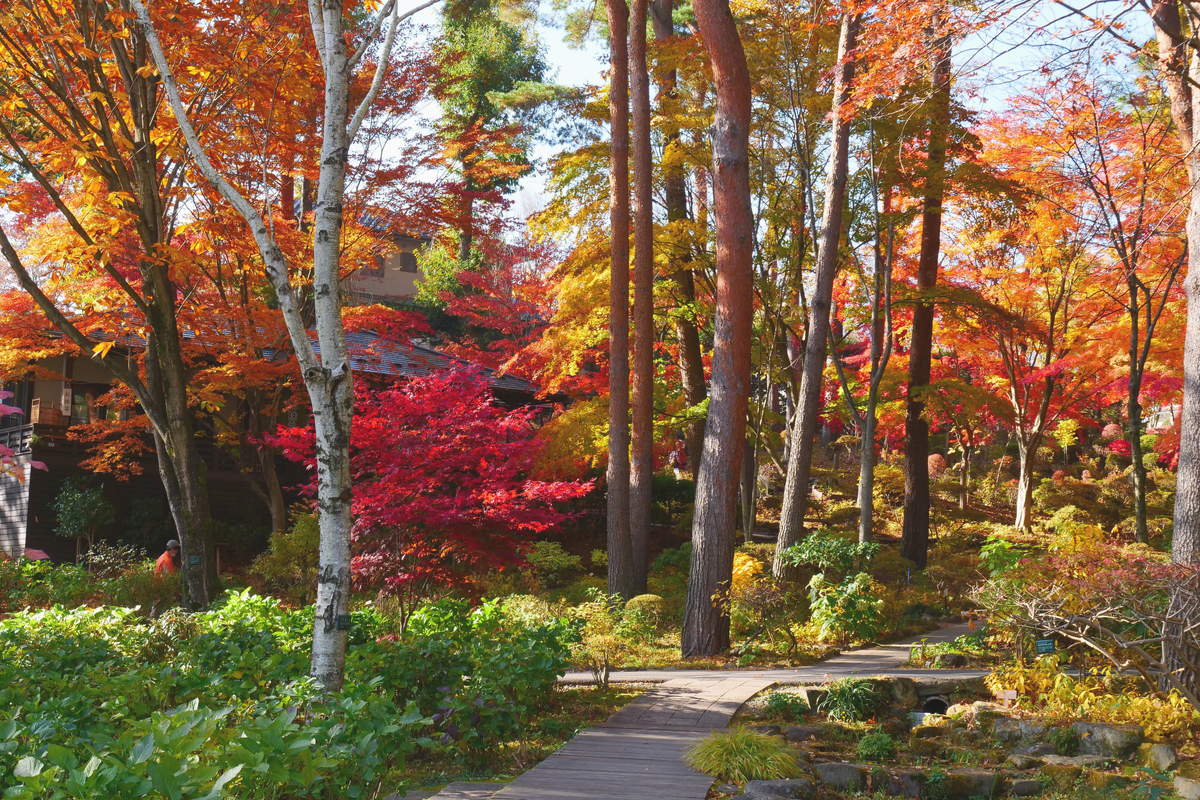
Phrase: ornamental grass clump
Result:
[741,755]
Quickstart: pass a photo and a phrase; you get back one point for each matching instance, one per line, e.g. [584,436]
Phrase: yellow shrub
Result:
[1106,696]
[746,569]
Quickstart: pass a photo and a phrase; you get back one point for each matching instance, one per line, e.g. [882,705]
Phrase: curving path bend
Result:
[638,753]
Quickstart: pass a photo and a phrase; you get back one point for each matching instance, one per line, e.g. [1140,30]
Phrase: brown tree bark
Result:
[804,424]
[1179,65]
[706,622]
[641,471]
[679,257]
[620,550]
[914,544]
[124,123]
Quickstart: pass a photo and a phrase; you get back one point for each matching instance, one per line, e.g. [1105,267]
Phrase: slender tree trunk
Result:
[914,544]
[1179,65]
[1025,454]
[804,426]
[706,623]
[687,334]
[620,550]
[1133,409]
[641,471]
[749,489]
[964,477]
[866,474]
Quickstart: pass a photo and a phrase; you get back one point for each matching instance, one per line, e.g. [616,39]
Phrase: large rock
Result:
[802,733]
[842,776]
[962,784]
[1022,761]
[1010,729]
[904,693]
[1105,780]
[1077,761]
[1062,775]
[1158,756]
[906,783]
[1114,741]
[1025,787]
[779,790]
[768,730]
[1187,788]
[814,695]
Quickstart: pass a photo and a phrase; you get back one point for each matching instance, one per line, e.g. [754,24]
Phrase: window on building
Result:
[407,261]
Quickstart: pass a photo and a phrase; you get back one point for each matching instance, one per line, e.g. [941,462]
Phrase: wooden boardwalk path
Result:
[638,753]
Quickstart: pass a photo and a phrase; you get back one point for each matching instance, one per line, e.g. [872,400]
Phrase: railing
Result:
[18,439]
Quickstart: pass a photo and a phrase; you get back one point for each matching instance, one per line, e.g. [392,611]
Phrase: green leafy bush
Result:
[741,755]
[785,705]
[110,559]
[830,551]
[876,746]
[289,566]
[998,555]
[851,700]
[848,610]
[551,565]
[644,615]
[35,584]
[103,703]
[82,513]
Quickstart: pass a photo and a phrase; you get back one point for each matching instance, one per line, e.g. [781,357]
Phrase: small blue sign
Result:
[1044,646]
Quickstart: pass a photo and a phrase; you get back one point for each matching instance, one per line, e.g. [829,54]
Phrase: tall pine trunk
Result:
[914,543]
[687,334]
[641,471]
[1179,65]
[620,550]
[706,621]
[804,425]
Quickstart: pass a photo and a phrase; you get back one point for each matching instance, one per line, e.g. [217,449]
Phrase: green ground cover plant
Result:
[105,704]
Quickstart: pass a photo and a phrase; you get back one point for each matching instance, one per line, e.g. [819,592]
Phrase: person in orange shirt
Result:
[168,562]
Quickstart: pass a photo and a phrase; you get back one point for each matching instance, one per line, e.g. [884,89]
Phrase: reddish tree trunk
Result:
[804,426]
[641,475]
[706,624]
[914,544]
[687,335]
[620,551]
[1179,64]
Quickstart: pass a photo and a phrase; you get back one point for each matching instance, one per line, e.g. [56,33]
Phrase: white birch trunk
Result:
[327,378]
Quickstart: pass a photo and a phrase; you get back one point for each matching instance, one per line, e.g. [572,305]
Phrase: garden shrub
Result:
[601,645]
[289,566]
[741,755]
[785,705]
[110,559]
[81,513]
[550,565]
[644,614]
[826,550]
[876,746]
[851,700]
[105,704]
[846,611]
[1103,695]
[36,584]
